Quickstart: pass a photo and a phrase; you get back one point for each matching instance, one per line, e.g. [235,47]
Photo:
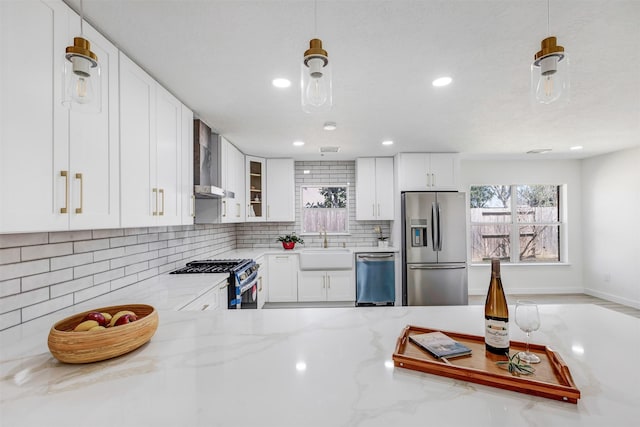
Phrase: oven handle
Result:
[248,286]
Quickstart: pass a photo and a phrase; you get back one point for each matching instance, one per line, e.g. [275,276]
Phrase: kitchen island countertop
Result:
[320,367]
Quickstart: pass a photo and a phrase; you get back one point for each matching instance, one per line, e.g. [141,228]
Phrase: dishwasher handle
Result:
[375,256]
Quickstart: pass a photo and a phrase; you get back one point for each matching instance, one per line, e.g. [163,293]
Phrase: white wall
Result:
[519,279]
[611,226]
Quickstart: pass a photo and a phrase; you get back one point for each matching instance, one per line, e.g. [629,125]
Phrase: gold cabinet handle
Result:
[224,208]
[155,211]
[204,307]
[65,174]
[161,191]
[193,206]
[79,176]
[237,210]
[260,281]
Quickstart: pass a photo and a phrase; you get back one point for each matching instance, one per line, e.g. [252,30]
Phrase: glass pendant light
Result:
[81,85]
[316,77]
[550,72]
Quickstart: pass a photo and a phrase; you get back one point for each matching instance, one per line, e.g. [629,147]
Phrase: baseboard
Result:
[613,298]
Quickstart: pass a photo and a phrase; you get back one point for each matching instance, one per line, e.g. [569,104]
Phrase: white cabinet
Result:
[262,282]
[151,141]
[232,179]
[188,199]
[428,171]
[374,188]
[334,285]
[280,190]
[255,184]
[283,279]
[58,169]
[210,300]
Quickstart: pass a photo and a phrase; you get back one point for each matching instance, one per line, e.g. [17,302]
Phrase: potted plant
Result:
[382,241]
[289,240]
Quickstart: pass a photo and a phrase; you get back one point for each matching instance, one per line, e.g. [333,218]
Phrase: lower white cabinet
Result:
[262,282]
[211,300]
[283,279]
[335,285]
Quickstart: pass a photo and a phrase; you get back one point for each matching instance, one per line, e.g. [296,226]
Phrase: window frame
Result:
[515,225]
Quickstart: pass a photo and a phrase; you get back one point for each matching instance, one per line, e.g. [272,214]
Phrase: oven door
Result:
[244,296]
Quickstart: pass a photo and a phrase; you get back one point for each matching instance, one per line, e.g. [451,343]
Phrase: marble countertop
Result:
[313,367]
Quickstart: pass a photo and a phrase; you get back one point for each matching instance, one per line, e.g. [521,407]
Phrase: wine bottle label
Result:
[496,333]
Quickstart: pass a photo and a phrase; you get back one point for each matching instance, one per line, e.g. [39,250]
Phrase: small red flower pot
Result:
[288,245]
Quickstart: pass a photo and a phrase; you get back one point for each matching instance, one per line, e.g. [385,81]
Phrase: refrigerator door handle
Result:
[436,267]
[439,229]
[433,226]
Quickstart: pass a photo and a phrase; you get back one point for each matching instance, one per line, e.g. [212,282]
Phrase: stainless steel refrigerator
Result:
[434,248]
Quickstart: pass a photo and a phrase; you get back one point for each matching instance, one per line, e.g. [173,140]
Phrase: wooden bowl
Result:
[92,346]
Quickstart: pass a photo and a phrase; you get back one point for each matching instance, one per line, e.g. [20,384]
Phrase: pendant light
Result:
[81,85]
[550,71]
[316,76]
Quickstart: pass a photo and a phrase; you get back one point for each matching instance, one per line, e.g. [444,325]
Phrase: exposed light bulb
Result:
[316,79]
[550,73]
[82,82]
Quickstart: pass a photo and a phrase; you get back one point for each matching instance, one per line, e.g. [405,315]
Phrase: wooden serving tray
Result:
[551,378]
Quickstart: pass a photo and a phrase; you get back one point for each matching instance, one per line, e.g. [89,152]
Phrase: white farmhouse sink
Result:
[326,259]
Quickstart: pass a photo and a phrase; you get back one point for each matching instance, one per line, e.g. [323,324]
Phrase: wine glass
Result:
[527,319]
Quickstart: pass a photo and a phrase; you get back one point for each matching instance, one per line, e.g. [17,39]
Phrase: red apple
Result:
[97,316]
[127,318]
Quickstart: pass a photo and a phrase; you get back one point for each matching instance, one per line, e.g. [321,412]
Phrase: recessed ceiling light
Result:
[330,126]
[298,143]
[387,142]
[442,81]
[539,151]
[576,147]
[282,83]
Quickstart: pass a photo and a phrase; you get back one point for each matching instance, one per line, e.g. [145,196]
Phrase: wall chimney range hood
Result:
[207,169]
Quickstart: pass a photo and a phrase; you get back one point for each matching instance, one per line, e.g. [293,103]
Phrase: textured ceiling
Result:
[219,58]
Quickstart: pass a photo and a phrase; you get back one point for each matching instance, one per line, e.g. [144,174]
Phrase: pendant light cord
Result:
[81,18]
[315,18]
[548,17]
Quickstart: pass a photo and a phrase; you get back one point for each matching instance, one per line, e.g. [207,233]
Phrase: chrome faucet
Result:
[325,244]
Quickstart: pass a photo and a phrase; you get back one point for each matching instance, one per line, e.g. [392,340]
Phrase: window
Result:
[324,208]
[516,223]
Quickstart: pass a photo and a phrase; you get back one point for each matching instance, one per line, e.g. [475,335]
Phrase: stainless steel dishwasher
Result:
[375,279]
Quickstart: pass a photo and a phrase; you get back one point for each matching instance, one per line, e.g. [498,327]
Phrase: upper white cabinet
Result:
[151,140]
[58,169]
[256,180]
[281,190]
[188,201]
[428,171]
[374,188]
[232,179]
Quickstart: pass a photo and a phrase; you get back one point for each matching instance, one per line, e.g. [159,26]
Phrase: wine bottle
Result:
[496,314]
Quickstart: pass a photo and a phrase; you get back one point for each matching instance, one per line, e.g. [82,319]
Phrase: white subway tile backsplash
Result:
[71,260]
[46,279]
[9,255]
[91,292]
[123,281]
[9,287]
[90,269]
[90,245]
[136,249]
[102,234]
[10,319]
[11,271]
[108,276]
[17,240]
[147,273]
[69,236]
[29,253]
[134,268]
[108,254]
[71,286]
[123,241]
[46,307]
[13,302]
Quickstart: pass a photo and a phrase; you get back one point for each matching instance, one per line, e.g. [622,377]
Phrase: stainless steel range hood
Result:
[207,170]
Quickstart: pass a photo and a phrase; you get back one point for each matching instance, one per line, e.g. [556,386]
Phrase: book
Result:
[439,345]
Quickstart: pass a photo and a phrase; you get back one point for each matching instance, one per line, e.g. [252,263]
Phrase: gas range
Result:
[242,289]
